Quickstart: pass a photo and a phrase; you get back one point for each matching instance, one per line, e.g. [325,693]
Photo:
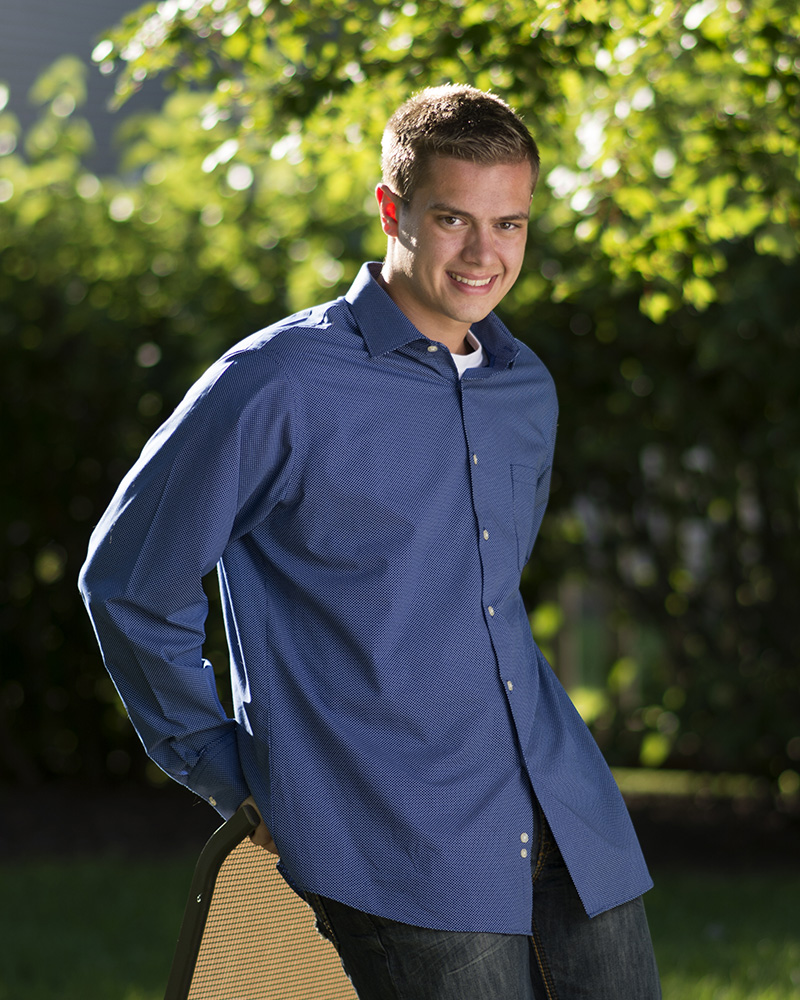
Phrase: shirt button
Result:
[486,534]
[524,853]
[524,838]
[510,685]
[491,611]
[212,801]
[474,459]
[432,349]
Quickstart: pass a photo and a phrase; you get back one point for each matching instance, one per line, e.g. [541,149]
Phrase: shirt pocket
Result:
[524,482]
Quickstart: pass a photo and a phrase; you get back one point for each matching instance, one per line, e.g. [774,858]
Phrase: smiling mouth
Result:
[472,282]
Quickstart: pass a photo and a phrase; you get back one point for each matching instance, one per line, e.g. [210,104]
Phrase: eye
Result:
[450,221]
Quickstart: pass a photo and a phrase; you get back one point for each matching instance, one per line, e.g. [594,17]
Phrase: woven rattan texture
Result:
[260,942]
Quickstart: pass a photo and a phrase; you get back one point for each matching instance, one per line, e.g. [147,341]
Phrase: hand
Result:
[261,836]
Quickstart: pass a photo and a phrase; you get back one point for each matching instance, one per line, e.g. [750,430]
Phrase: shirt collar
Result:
[385,327]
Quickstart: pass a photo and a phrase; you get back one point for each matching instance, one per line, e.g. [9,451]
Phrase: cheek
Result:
[514,260]
[432,261]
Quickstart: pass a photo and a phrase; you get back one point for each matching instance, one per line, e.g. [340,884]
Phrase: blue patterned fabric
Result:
[369,514]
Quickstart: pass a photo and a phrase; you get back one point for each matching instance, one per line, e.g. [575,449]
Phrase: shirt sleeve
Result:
[165,529]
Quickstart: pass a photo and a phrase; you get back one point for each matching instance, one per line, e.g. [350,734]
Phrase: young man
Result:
[369,477]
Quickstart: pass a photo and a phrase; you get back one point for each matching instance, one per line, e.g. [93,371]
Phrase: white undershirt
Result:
[475,359]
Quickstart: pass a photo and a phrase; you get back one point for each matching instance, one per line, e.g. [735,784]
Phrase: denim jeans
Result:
[567,957]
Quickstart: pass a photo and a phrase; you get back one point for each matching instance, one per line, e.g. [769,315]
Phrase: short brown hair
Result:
[454,120]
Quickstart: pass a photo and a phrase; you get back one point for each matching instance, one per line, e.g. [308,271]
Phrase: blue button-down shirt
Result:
[369,514]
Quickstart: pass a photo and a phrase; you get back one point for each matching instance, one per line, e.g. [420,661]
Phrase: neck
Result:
[464,348]
[454,337]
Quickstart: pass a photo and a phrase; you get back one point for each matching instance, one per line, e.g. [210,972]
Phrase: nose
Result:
[480,248]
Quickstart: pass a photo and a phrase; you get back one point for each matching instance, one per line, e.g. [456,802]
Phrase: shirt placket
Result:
[490,555]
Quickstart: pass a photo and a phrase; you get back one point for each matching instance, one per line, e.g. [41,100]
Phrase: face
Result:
[457,247]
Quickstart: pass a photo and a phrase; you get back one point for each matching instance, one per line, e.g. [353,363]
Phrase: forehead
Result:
[499,188]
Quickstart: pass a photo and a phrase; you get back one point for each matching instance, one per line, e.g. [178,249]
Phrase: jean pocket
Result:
[324,925]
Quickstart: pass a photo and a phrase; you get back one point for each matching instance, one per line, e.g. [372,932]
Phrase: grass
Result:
[89,930]
[683,784]
[727,937]
[105,929]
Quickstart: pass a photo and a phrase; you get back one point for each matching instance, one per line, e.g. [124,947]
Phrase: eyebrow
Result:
[440,206]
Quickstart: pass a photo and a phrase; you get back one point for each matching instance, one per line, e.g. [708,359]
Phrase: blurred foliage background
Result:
[661,289]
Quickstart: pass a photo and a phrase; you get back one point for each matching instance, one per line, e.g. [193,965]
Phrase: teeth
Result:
[468,281]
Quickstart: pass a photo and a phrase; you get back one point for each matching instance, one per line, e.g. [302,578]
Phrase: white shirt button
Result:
[432,349]
[475,459]
[212,801]
[524,838]
[524,853]
[510,685]
[486,534]
[491,611]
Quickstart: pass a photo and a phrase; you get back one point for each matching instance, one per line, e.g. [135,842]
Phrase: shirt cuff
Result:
[218,777]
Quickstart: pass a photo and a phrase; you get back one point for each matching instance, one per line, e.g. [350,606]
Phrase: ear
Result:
[388,203]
